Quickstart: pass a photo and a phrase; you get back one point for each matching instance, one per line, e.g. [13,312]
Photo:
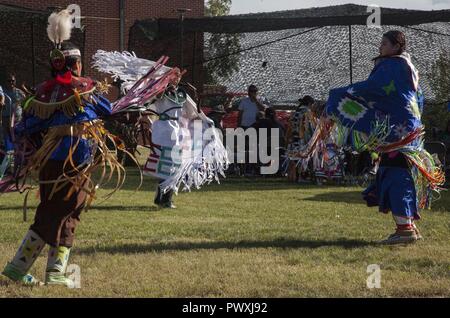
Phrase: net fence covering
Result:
[288,64]
[24,45]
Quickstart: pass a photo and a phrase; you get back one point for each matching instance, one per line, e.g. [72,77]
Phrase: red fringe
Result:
[406,140]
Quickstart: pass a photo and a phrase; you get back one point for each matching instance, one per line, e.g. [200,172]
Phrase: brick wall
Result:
[102,22]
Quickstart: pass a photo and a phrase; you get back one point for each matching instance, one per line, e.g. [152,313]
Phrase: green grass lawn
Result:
[243,238]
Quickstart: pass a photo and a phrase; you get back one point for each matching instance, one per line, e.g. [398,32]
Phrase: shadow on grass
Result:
[122,208]
[17,208]
[347,197]
[235,184]
[230,183]
[108,208]
[261,184]
[187,246]
[442,204]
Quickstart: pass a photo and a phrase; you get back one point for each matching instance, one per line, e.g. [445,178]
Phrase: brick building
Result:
[102,25]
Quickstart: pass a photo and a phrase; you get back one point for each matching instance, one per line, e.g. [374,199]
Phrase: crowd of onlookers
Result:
[255,112]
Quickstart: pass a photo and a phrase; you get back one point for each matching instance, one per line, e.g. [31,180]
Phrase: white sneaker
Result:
[401,237]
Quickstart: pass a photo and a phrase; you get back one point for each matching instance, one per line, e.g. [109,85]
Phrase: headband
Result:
[74,52]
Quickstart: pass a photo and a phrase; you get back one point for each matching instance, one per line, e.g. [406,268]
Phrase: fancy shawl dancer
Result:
[60,141]
[312,144]
[301,126]
[186,149]
[382,115]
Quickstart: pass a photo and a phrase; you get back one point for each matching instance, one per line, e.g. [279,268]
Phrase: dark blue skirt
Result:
[393,191]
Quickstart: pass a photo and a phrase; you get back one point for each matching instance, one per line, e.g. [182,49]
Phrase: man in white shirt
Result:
[248,114]
[249,108]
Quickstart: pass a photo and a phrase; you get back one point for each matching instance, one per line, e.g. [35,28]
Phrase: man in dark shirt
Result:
[269,122]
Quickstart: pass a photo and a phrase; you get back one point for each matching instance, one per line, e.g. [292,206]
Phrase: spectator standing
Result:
[269,122]
[249,108]
[10,99]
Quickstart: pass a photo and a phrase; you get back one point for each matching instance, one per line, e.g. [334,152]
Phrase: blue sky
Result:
[251,6]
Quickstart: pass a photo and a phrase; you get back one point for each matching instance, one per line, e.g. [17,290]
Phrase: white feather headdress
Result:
[59,27]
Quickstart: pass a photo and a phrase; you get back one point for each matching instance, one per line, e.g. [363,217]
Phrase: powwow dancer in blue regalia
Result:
[383,115]
[59,142]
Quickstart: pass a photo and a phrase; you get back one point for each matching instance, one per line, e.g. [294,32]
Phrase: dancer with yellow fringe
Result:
[60,141]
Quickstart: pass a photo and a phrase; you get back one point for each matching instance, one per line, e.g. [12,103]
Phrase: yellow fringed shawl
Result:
[70,106]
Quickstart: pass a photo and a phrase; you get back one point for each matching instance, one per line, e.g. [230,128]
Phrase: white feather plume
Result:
[59,26]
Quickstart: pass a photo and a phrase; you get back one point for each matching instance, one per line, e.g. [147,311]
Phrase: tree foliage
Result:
[220,45]
[216,8]
[437,114]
